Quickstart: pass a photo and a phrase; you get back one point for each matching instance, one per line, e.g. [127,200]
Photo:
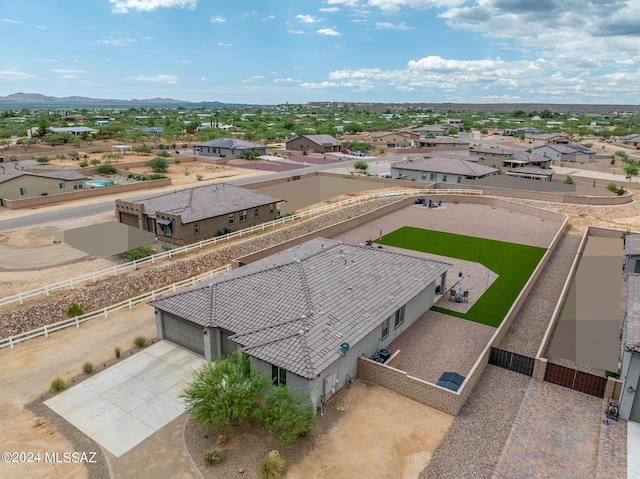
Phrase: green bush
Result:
[84,163]
[199,177]
[361,166]
[96,162]
[164,154]
[117,352]
[144,149]
[140,341]
[213,456]
[286,414]
[272,467]
[568,180]
[42,159]
[75,310]
[87,367]
[157,176]
[106,169]
[158,165]
[57,385]
[137,253]
[612,187]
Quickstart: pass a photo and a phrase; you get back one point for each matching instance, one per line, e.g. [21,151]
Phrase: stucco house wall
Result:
[37,186]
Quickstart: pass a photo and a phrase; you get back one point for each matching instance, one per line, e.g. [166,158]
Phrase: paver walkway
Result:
[555,435]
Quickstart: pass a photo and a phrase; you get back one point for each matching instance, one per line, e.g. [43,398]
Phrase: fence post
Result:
[11,341]
[94,276]
[130,304]
[46,290]
[115,270]
[134,264]
[20,297]
[46,332]
[71,283]
[153,294]
[153,259]
[106,313]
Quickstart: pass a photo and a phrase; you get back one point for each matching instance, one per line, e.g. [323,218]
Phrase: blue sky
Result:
[277,51]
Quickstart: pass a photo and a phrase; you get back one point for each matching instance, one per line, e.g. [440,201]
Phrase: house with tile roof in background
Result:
[19,184]
[441,169]
[193,214]
[306,314]
[228,146]
[565,153]
[314,143]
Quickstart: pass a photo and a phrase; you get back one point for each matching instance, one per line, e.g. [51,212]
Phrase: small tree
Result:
[143,149]
[286,415]
[568,180]
[631,170]
[361,166]
[158,165]
[224,392]
[106,169]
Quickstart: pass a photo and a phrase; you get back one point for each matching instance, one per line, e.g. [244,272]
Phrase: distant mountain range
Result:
[36,100]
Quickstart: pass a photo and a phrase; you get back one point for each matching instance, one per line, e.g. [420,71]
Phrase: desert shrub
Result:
[158,165]
[75,310]
[612,187]
[144,149]
[157,176]
[74,155]
[117,352]
[163,154]
[42,159]
[286,415]
[106,169]
[87,367]
[272,467]
[167,246]
[213,456]
[58,384]
[361,166]
[96,162]
[137,253]
[199,177]
[84,163]
[176,161]
[568,180]
[140,341]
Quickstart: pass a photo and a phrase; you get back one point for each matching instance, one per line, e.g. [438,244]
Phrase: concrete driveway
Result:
[123,405]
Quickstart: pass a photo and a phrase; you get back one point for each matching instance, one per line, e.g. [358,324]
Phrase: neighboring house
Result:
[565,153]
[73,118]
[304,315]
[509,158]
[632,254]
[193,214]
[74,130]
[441,170]
[492,155]
[523,131]
[531,172]
[436,130]
[540,139]
[630,373]
[393,139]
[152,130]
[314,143]
[15,185]
[442,143]
[228,146]
[631,141]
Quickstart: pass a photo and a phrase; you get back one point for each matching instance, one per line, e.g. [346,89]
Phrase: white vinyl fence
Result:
[104,312]
[133,265]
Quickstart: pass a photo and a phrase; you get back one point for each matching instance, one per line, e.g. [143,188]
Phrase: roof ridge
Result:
[268,326]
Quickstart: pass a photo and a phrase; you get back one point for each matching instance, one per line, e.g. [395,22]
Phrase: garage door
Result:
[228,346]
[129,220]
[183,333]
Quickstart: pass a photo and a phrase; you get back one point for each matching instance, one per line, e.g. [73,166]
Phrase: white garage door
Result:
[184,333]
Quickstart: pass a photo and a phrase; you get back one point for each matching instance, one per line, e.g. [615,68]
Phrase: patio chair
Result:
[465,296]
[452,294]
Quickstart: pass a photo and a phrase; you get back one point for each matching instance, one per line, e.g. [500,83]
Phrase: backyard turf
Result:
[513,263]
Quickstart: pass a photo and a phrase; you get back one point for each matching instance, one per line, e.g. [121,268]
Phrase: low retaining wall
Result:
[82,194]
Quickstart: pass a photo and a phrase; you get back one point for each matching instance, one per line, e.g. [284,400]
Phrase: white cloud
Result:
[329,9]
[328,31]
[203,78]
[118,42]
[168,79]
[68,77]
[9,20]
[41,27]
[66,70]
[296,32]
[307,19]
[125,6]
[393,26]
[217,19]
[257,77]
[222,44]
[266,19]
[14,74]
[286,80]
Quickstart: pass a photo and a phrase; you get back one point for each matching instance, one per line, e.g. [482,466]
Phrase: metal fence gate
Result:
[576,380]
[512,361]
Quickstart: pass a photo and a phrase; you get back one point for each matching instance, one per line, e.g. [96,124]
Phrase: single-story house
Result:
[631,141]
[74,130]
[19,184]
[531,172]
[193,214]
[441,170]
[442,143]
[565,153]
[393,139]
[540,139]
[630,373]
[437,129]
[528,130]
[314,143]
[492,155]
[306,314]
[228,146]
[632,254]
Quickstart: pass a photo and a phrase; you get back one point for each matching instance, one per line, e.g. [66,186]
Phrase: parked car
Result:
[345,152]
[224,231]
[358,153]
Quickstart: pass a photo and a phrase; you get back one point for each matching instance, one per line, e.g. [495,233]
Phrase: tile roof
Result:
[444,139]
[231,143]
[320,139]
[493,151]
[566,149]
[632,319]
[632,244]
[66,175]
[293,309]
[523,156]
[207,201]
[445,165]
[531,170]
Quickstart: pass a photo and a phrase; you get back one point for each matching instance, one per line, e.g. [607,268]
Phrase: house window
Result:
[385,329]
[272,208]
[196,228]
[77,184]
[167,230]
[398,318]
[444,178]
[62,185]
[433,176]
[255,213]
[232,218]
[243,215]
[424,175]
[23,191]
[278,375]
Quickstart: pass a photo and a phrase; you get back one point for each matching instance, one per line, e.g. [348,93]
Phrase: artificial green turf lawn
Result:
[514,264]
